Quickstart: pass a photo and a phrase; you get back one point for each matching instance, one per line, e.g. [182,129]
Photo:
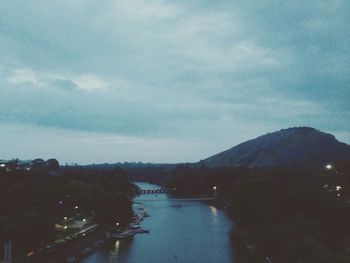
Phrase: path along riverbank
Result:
[79,245]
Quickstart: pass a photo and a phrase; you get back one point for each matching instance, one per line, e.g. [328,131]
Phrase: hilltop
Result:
[299,147]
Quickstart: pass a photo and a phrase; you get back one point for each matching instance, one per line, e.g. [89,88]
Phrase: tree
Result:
[52,165]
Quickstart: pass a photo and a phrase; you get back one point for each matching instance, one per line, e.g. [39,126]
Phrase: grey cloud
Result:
[186,70]
[65,84]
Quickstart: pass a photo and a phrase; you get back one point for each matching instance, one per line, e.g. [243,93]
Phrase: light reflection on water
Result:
[117,243]
[180,231]
[214,211]
[214,214]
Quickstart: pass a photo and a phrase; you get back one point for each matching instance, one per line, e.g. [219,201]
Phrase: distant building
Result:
[50,166]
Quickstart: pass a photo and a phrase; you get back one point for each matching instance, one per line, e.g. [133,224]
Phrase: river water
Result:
[180,232]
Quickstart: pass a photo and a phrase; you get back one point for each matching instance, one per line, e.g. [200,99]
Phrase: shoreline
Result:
[78,248]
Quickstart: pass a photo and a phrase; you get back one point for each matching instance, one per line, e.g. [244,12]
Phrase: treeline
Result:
[281,215]
[36,166]
[31,205]
[151,173]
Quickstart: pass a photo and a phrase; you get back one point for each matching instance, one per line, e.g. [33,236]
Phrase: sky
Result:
[167,81]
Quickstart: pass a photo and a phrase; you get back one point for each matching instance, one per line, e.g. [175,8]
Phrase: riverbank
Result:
[76,247]
[181,231]
[80,244]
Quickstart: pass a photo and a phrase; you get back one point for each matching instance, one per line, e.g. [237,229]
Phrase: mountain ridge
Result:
[296,146]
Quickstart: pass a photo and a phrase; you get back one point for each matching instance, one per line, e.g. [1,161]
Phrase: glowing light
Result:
[84,220]
[65,218]
[76,207]
[61,202]
[117,243]
[65,227]
[329,166]
[338,187]
[338,195]
[117,224]
[213,211]
[214,188]
[2,165]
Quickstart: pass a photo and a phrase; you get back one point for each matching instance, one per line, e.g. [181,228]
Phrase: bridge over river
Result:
[178,199]
[152,191]
[182,230]
[165,191]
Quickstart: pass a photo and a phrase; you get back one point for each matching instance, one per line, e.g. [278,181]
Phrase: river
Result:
[180,231]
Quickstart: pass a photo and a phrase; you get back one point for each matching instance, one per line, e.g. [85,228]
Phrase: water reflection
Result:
[117,252]
[117,243]
[214,214]
[180,231]
[214,211]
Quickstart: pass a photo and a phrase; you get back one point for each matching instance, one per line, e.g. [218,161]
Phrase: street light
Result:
[76,207]
[65,218]
[329,166]
[117,224]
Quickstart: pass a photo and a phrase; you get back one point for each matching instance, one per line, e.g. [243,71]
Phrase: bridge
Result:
[166,191]
[177,199]
[152,191]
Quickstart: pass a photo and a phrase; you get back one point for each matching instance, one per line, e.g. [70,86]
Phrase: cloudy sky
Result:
[167,81]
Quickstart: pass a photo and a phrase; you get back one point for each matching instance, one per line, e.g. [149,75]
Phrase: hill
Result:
[300,147]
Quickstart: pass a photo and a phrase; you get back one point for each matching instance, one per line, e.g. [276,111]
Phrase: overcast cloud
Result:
[167,81]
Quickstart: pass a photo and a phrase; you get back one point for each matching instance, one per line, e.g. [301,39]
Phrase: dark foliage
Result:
[286,215]
[31,204]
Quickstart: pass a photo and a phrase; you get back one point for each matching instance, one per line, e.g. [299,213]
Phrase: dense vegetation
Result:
[285,215]
[31,203]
